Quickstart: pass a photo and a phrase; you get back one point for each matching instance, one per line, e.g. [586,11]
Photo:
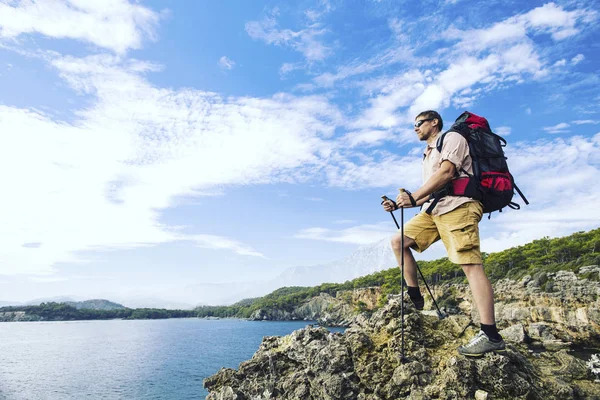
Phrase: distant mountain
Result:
[10,303]
[159,301]
[364,261]
[56,299]
[95,304]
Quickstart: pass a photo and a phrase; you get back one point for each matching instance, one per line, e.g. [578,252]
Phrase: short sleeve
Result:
[454,149]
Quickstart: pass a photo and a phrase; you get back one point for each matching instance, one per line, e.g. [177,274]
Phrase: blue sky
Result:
[149,145]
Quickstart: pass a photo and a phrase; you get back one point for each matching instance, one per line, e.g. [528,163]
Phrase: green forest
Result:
[63,312]
[536,259]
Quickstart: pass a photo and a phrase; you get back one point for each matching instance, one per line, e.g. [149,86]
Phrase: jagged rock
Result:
[514,334]
[364,363]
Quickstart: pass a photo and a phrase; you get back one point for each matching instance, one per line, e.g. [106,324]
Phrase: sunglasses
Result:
[422,121]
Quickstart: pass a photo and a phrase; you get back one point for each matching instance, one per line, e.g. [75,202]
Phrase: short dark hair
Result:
[432,114]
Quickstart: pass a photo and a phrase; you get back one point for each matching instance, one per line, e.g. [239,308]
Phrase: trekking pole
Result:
[439,312]
[402,273]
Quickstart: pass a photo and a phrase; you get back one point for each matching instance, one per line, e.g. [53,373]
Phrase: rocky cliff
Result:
[326,309]
[542,318]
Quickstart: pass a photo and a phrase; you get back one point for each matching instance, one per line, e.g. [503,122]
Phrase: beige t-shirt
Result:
[456,150]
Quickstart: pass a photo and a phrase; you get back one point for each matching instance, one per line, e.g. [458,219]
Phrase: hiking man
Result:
[454,219]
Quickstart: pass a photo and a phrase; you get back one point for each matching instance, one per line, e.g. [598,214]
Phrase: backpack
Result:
[491,182]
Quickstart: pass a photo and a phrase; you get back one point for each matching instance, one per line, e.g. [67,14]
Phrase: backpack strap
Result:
[436,196]
[520,193]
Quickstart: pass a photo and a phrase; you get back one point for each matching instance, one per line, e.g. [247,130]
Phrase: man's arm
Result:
[436,182]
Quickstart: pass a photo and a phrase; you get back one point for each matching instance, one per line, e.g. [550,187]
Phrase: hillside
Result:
[95,304]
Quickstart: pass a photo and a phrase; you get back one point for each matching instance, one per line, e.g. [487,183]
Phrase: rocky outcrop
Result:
[364,363]
[542,317]
[326,309]
[17,316]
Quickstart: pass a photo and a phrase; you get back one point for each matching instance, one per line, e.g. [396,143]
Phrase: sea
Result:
[125,359]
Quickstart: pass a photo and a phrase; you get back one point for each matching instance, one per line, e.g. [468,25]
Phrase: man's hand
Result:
[388,205]
[402,200]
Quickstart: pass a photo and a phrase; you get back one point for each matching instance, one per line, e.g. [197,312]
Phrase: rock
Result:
[540,331]
[514,334]
[481,395]
[555,345]
[526,279]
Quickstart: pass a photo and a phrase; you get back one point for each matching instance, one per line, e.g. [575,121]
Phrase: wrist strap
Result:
[412,200]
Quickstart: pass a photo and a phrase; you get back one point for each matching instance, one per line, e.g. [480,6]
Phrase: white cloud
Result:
[287,68]
[553,19]
[100,182]
[560,63]
[503,130]
[577,59]
[226,63]
[387,170]
[362,234]
[306,41]
[585,121]
[223,243]
[112,24]
[558,128]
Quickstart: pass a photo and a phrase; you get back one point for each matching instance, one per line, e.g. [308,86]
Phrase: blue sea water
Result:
[118,359]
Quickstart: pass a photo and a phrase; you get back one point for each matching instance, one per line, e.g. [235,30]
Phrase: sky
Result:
[149,145]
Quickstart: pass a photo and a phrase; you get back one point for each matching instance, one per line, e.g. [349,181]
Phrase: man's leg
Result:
[410,268]
[410,265]
[482,291]
[483,296]
[419,233]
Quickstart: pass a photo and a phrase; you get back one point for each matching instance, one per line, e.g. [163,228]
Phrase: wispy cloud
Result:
[562,127]
[226,63]
[577,59]
[116,25]
[503,130]
[585,121]
[223,243]
[362,234]
[307,41]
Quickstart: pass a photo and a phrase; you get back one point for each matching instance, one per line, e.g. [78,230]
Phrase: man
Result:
[454,219]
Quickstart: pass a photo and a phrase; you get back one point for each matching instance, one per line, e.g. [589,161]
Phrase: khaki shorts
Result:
[458,229]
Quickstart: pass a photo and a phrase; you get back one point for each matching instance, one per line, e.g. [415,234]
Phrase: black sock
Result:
[414,293]
[492,332]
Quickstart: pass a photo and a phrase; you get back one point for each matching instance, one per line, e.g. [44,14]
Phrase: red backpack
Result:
[491,182]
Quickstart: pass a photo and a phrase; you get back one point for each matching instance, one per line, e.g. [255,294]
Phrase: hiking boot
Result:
[419,303]
[480,345]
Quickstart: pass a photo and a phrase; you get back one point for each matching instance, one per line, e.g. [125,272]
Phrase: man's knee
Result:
[472,269]
[397,242]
